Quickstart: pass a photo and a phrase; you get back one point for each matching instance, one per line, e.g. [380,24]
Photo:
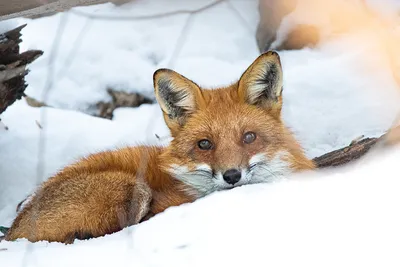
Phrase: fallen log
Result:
[120,99]
[357,149]
[13,67]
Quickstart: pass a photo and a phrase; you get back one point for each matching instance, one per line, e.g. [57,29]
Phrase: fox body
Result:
[222,138]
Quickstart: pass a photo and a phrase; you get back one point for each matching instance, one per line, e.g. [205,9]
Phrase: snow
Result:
[332,94]
[8,25]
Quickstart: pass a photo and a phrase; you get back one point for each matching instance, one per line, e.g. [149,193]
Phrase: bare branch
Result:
[147,17]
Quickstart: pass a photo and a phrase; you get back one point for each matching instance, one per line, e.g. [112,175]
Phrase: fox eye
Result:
[204,144]
[249,137]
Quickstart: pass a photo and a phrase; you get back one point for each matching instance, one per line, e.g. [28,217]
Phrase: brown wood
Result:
[13,67]
[14,6]
[346,154]
[356,149]
[37,8]
[120,99]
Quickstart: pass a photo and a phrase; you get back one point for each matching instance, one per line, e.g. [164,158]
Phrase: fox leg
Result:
[139,206]
[82,207]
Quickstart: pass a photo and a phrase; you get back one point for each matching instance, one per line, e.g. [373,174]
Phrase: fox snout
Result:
[207,178]
[232,176]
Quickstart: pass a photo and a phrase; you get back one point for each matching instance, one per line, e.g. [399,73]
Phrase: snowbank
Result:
[348,218]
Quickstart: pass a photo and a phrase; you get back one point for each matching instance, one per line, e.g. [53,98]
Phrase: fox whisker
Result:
[261,172]
[265,167]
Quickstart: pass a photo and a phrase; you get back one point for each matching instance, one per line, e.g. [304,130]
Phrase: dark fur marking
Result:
[171,98]
[20,204]
[70,238]
[83,235]
[268,80]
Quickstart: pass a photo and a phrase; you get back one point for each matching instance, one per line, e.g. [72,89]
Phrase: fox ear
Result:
[177,96]
[262,83]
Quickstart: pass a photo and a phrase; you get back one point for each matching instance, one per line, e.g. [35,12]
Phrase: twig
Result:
[33,102]
[38,124]
[42,144]
[4,126]
[147,17]
[241,18]
[46,91]
[180,42]
[74,49]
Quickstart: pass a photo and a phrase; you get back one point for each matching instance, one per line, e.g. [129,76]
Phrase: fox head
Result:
[229,136]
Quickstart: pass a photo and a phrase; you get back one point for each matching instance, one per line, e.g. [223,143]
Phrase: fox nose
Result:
[232,176]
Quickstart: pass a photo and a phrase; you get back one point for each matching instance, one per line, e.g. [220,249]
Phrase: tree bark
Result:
[356,149]
[13,67]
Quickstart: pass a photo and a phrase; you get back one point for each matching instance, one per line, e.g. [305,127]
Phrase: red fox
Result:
[222,138]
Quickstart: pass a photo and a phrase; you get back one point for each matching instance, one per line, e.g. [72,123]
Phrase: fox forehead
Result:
[215,96]
[223,114]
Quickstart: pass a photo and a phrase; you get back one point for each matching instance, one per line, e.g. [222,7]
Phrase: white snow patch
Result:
[346,218]
[8,25]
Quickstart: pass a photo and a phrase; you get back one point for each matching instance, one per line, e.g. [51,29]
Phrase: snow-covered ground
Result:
[332,94]
[346,219]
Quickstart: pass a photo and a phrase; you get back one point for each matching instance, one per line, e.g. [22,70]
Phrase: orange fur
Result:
[108,191]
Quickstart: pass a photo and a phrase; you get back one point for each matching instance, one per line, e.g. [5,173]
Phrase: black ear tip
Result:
[272,53]
[160,71]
